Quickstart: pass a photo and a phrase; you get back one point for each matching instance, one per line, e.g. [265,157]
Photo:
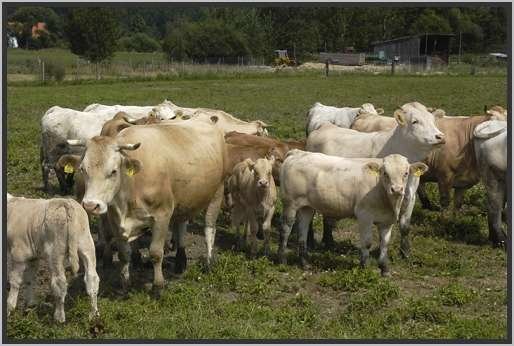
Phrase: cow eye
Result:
[113,172]
[406,174]
[414,122]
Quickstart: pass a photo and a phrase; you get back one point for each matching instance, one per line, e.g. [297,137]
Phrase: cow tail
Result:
[73,229]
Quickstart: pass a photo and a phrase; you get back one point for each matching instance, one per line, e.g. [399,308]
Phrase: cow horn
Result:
[76,142]
[129,146]
[128,120]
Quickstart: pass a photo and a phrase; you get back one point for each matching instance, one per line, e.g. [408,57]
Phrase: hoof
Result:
[304,263]
[282,258]
[405,253]
[180,261]
[385,273]
[260,234]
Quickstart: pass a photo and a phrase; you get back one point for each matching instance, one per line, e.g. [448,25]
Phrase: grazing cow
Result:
[228,123]
[121,121]
[372,190]
[275,146]
[415,137]
[147,175]
[254,196]
[490,143]
[454,166]
[320,114]
[55,230]
[164,111]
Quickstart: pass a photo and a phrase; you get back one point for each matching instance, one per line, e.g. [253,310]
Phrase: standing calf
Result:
[56,230]
[372,190]
[254,196]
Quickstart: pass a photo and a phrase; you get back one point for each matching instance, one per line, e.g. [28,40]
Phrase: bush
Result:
[139,42]
[54,71]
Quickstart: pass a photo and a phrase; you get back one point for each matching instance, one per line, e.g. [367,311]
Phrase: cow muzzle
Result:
[94,207]
[397,190]
[263,184]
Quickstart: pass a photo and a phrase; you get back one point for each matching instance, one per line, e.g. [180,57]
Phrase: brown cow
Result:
[275,147]
[454,165]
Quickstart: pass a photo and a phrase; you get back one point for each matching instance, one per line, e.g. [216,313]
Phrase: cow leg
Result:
[15,281]
[266,226]
[104,246]
[445,185]
[237,218]
[86,252]
[124,255]
[383,260]
[409,200]
[458,197]
[311,240]
[365,233]
[254,228]
[328,225]
[45,171]
[179,230]
[288,219]
[211,215]
[495,202]
[59,286]
[304,217]
[159,231]
[30,280]
[423,198]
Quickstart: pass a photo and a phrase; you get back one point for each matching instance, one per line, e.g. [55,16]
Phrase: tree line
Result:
[202,32]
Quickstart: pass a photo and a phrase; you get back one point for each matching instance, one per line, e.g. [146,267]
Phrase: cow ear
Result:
[69,163]
[438,113]
[271,158]
[372,168]
[129,146]
[132,166]
[250,164]
[399,115]
[214,119]
[380,111]
[76,142]
[418,169]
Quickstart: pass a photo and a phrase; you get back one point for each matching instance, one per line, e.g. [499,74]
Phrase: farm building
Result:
[419,49]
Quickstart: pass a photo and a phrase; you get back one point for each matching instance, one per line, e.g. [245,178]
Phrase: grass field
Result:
[454,285]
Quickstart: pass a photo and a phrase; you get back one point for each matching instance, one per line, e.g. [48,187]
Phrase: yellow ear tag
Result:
[68,168]
[131,171]
[419,172]
[374,172]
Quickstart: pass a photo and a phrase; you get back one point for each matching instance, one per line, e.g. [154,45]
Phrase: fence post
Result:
[43,71]
[326,67]
[393,65]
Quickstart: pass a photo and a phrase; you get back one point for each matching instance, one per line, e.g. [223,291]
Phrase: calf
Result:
[55,230]
[254,194]
[372,190]
[490,144]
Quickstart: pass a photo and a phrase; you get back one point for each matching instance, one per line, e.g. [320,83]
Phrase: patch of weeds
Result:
[377,296]
[425,309]
[328,260]
[350,280]
[477,328]
[454,294]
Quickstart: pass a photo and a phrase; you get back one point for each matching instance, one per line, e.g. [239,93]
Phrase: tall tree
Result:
[92,34]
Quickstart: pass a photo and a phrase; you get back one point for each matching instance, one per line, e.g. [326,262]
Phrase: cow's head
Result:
[369,108]
[262,171]
[165,110]
[417,124]
[104,166]
[65,169]
[497,113]
[393,174]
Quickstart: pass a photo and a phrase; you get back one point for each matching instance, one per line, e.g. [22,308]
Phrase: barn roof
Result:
[403,38]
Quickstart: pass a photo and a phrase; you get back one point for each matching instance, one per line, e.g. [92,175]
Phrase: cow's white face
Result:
[103,164]
[262,171]
[393,175]
[164,112]
[418,125]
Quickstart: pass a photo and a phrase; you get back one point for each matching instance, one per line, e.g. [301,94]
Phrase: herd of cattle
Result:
[155,168]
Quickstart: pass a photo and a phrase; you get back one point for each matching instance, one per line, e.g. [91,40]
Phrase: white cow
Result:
[163,111]
[55,230]
[490,142]
[415,137]
[343,117]
[372,190]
